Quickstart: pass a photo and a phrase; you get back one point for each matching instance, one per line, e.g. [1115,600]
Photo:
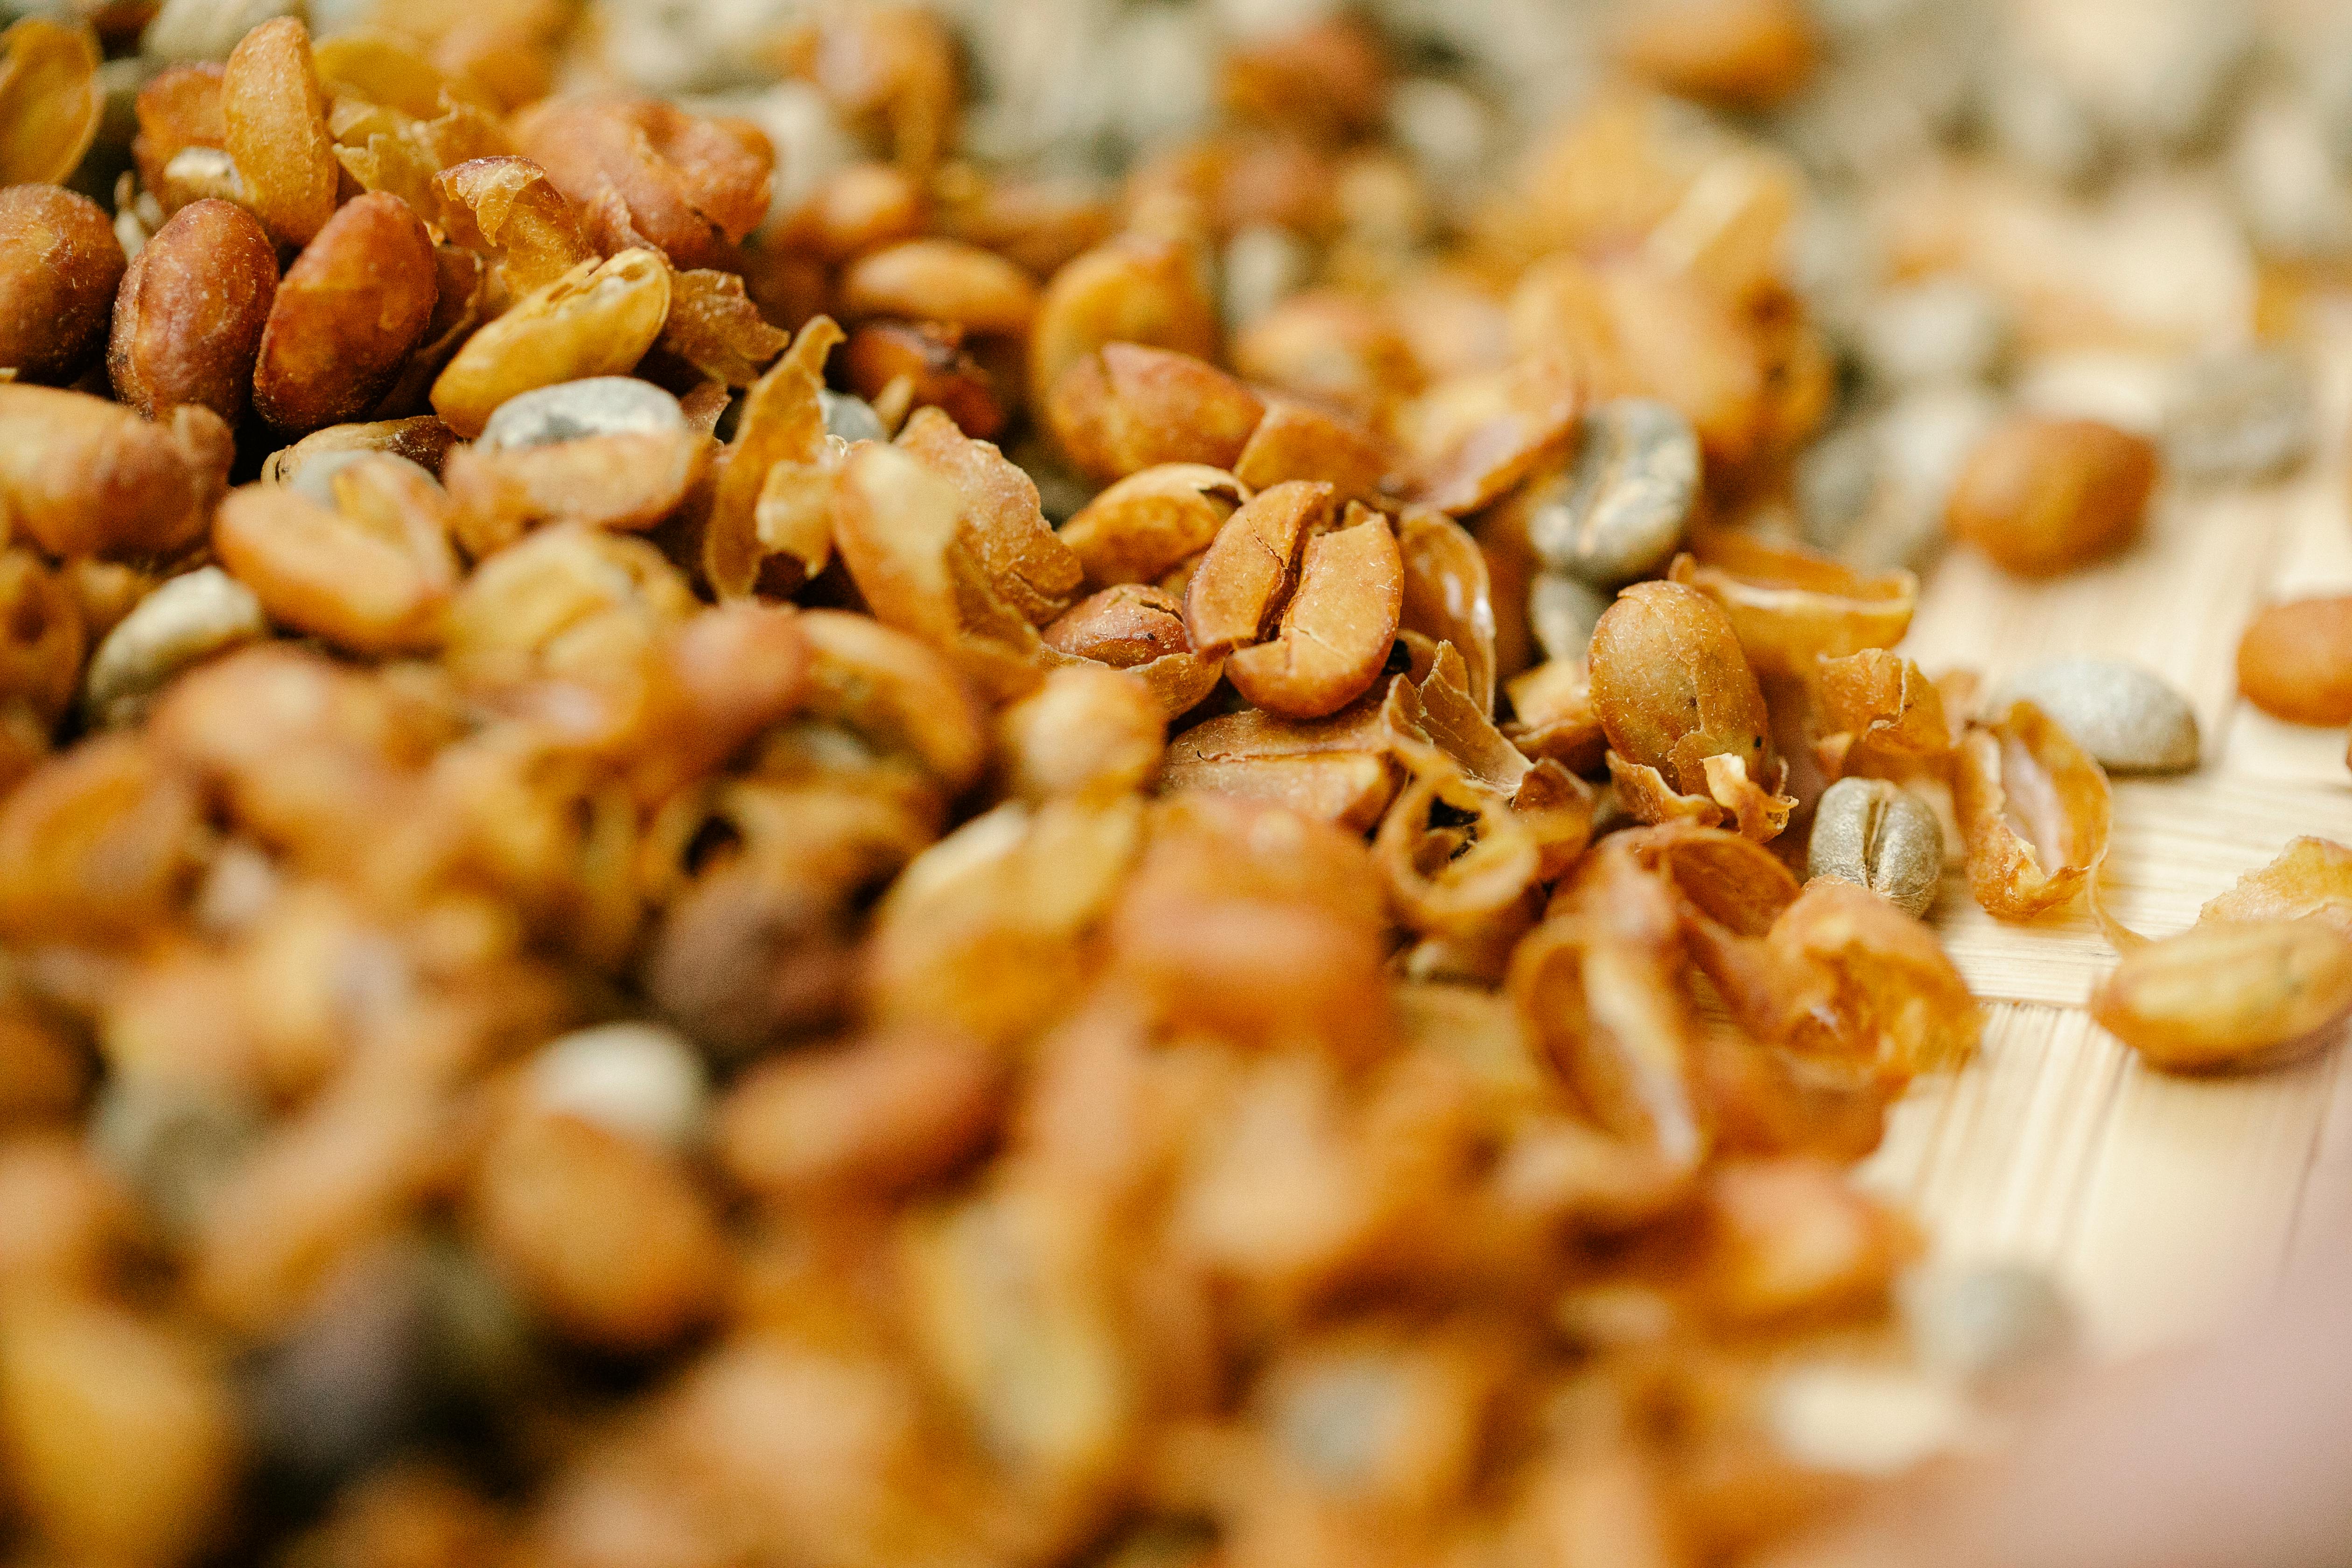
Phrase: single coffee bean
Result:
[1623,504]
[185,620]
[640,1080]
[851,419]
[2242,418]
[1565,610]
[1984,1322]
[596,406]
[1878,835]
[2127,718]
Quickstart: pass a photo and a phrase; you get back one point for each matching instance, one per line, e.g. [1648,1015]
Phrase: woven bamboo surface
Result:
[2164,1202]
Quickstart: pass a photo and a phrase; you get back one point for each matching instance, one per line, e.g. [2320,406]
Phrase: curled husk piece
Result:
[1474,437]
[714,326]
[773,495]
[1449,593]
[1435,727]
[1758,811]
[1792,607]
[1555,717]
[1334,769]
[1600,985]
[2311,879]
[2034,813]
[1025,565]
[1480,825]
[1879,715]
[1868,985]
[1834,973]
[1454,857]
[900,526]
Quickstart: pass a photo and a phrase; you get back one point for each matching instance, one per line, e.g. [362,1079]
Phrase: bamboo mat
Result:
[2163,1203]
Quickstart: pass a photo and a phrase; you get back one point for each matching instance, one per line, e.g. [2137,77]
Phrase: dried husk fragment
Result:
[2311,879]
[1449,594]
[1471,438]
[1555,717]
[1869,985]
[713,326]
[1027,565]
[1599,984]
[899,529]
[1792,607]
[1879,715]
[2034,813]
[783,426]
[1454,860]
[510,212]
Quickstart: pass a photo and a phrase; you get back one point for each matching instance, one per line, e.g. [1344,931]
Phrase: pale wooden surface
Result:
[2164,1202]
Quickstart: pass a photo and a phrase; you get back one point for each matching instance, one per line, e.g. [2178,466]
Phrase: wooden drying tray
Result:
[2164,1202]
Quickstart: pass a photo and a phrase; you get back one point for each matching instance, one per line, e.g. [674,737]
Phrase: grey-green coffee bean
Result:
[568,411]
[851,419]
[1879,835]
[1620,511]
[181,622]
[2129,719]
[1985,1321]
[1564,611]
[2239,419]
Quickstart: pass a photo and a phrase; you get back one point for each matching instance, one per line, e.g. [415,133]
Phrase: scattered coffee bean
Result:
[2129,719]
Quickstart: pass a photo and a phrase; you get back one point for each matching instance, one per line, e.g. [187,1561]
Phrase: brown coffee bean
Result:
[598,320]
[1674,688]
[941,281]
[60,265]
[350,307]
[1129,408]
[1336,628]
[1251,567]
[2042,496]
[2296,661]
[188,322]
